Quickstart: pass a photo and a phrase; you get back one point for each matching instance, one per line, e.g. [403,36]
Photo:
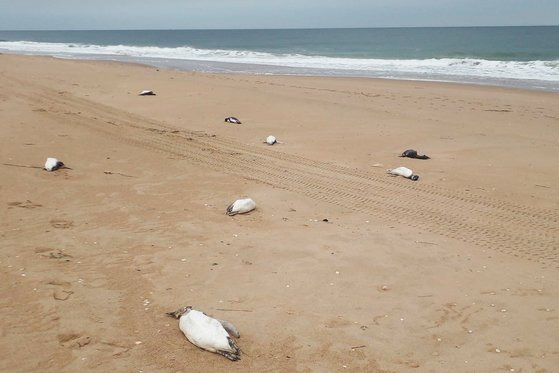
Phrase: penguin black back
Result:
[410,153]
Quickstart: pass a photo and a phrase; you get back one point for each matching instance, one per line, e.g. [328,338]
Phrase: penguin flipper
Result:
[230,328]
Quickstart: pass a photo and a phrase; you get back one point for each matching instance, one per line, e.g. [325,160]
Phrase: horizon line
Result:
[282,28]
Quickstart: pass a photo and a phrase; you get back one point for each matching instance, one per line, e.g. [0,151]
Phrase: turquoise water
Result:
[512,56]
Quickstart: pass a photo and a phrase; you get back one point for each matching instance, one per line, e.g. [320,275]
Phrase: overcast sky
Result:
[220,14]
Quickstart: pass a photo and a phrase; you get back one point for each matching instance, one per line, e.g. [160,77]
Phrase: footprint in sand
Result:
[50,253]
[61,224]
[62,290]
[25,205]
[73,340]
[115,349]
[337,323]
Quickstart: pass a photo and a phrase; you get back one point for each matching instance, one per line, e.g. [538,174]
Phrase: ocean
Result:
[524,57]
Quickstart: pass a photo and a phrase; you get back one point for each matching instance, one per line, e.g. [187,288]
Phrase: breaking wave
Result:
[459,67]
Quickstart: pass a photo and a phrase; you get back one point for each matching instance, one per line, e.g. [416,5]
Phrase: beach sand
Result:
[457,272]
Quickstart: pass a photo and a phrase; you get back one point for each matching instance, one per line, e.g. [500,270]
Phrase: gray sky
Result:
[215,14]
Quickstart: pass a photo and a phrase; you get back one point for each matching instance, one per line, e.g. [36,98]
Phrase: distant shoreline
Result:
[229,68]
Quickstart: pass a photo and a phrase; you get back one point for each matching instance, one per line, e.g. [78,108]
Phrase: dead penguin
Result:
[404,172]
[147,93]
[271,140]
[210,334]
[410,153]
[53,164]
[232,120]
[241,206]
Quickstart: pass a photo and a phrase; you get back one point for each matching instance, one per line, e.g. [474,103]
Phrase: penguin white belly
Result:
[402,171]
[52,164]
[232,120]
[241,206]
[271,140]
[204,332]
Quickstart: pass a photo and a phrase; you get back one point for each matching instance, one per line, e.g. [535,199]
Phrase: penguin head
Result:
[180,312]
[414,177]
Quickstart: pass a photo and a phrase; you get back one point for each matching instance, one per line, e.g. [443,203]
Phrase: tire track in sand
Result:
[523,231]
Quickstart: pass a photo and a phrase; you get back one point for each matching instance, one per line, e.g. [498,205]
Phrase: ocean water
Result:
[526,57]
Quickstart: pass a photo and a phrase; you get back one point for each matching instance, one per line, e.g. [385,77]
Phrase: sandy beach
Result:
[341,268]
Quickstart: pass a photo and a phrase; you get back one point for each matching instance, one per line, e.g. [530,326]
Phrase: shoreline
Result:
[469,70]
[175,66]
[340,268]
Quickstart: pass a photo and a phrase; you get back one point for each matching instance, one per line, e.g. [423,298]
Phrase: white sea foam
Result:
[475,68]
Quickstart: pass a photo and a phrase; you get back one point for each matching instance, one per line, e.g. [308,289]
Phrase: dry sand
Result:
[457,272]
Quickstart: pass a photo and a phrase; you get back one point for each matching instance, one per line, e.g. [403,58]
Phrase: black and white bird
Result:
[146,93]
[232,120]
[210,334]
[410,153]
[53,164]
[241,206]
[404,172]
